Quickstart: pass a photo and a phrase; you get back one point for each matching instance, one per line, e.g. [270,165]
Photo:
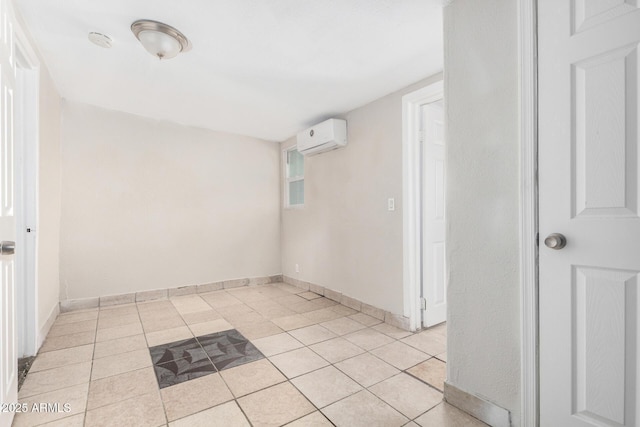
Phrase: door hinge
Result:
[423,303]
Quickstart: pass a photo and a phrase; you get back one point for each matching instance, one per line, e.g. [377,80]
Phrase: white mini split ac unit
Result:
[325,136]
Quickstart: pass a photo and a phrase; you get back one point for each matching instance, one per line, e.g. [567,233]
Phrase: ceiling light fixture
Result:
[160,40]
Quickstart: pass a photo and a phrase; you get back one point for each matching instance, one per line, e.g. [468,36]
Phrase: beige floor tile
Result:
[325,386]
[400,355]
[428,342]
[407,395]
[220,299]
[322,315]
[392,331]
[336,349]
[250,377]
[411,424]
[367,369]
[276,344]
[120,363]
[72,421]
[369,338]
[363,409]
[433,372]
[343,326]
[64,357]
[244,318]
[312,334]
[75,396]
[73,316]
[365,319]
[112,322]
[442,356]
[441,329]
[295,321]
[195,395]
[315,419]
[118,310]
[345,311]
[168,335]
[275,405]
[201,316]
[155,324]
[258,330]
[119,345]
[226,415]
[309,295]
[306,306]
[121,387]
[190,304]
[141,411]
[445,415]
[118,332]
[298,362]
[157,306]
[210,327]
[291,300]
[273,312]
[234,310]
[55,379]
[72,328]
[67,341]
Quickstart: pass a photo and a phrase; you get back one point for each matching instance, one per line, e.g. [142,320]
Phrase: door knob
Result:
[7,247]
[555,241]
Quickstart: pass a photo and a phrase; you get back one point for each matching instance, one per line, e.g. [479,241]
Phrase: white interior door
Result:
[8,355]
[589,192]
[434,287]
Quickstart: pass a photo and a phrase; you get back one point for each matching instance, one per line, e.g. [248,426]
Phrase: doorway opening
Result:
[424,206]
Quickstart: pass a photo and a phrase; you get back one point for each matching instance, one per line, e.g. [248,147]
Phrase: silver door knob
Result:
[7,247]
[555,241]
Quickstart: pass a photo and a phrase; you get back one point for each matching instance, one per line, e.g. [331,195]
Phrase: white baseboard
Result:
[397,320]
[477,407]
[157,294]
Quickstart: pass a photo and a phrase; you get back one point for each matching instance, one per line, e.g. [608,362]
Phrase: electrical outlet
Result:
[297,268]
[391,204]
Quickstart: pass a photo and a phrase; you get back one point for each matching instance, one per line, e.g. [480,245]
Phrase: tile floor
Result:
[254,356]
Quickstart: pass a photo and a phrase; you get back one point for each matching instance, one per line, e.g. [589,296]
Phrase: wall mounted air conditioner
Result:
[325,136]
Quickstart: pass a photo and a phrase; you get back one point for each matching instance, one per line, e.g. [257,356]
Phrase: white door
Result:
[589,186]
[434,289]
[8,355]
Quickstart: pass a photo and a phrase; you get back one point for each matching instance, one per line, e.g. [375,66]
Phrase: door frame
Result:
[529,267]
[28,68]
[412,197]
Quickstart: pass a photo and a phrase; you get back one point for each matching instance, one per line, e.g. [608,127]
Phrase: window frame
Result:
[288,180]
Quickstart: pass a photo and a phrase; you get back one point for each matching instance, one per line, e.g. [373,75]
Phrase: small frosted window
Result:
[294,174]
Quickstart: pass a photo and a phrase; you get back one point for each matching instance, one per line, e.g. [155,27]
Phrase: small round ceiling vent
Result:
[100,39]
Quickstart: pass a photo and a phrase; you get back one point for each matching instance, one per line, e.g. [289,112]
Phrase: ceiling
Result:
[263,68]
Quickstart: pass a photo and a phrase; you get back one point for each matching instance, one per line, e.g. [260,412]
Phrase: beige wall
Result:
[481,93]
[151,205]
[344,238]
[48,227]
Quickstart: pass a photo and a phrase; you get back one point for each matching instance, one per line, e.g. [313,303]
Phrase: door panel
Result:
[589,188]
[8,354]
[433,239]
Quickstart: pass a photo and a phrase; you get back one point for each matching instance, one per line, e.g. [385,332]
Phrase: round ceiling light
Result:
[100,39]
[160,40]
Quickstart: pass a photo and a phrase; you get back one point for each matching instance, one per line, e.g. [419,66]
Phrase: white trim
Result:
[527,38]
[27,130]
[46,327]
[411,176]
